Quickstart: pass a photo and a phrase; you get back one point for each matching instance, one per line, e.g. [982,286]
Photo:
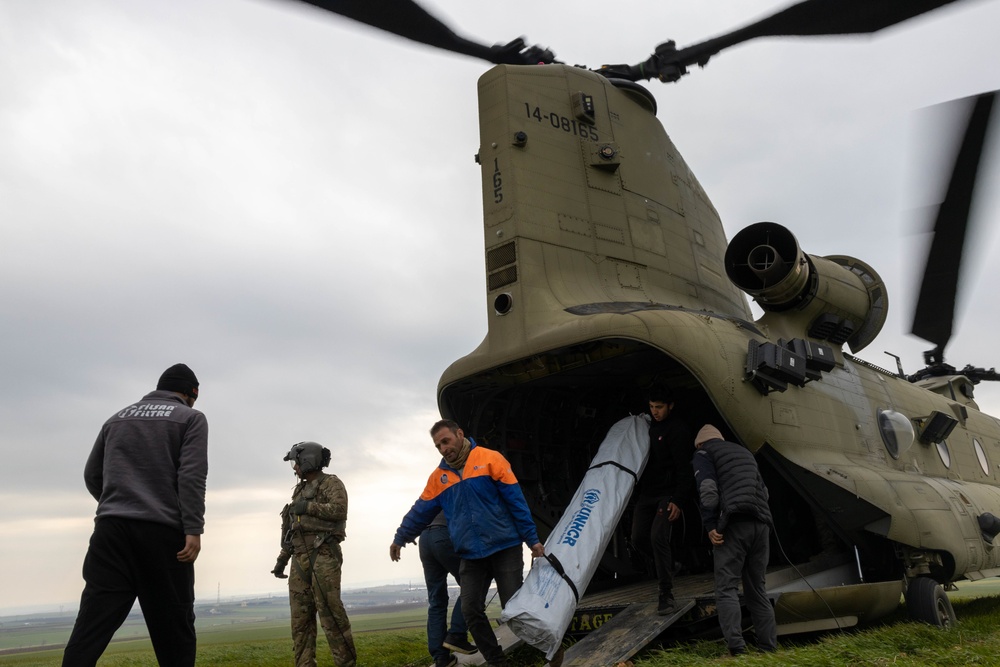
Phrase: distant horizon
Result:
[73,607]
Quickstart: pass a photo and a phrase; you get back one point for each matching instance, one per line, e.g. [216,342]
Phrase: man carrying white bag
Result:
[541,610]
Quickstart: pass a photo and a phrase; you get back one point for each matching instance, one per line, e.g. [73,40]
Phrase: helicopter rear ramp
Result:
[628,632]
[635,624]
[631,626]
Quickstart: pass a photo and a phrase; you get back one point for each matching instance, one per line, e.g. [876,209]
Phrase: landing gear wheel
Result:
[926,601]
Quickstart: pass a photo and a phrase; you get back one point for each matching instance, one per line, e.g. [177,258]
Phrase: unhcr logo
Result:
[579,521]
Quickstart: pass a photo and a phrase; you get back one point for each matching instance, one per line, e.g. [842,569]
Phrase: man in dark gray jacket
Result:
[734,512]
[147,471]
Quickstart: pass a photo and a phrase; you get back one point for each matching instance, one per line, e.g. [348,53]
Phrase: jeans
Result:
[439,560]
[507,568]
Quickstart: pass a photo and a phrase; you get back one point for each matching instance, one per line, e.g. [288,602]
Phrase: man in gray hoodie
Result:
[147,471]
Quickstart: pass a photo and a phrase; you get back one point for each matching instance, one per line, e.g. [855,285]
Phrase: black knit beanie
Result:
[179,378]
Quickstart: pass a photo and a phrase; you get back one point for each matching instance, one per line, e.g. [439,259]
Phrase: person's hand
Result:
[673,512]
[300,506]
[715,537]
[538,550]
[192,547]
[394,552]
[279,569]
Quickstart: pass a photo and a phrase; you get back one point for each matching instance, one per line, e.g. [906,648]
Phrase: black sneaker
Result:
[459,644]
[666,605]
[446,661]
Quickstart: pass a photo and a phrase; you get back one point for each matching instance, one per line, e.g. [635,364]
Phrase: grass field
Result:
[397,639]
[226,623]
[382,639]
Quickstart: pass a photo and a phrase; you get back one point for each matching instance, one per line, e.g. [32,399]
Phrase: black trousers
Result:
[126,560]
[506,568]
[651,531]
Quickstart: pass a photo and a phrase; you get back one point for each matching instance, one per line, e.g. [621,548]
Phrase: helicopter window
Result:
[896,430]
[942,449]
[981,455]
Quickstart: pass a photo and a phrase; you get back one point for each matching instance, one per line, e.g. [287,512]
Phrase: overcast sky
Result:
[288,203]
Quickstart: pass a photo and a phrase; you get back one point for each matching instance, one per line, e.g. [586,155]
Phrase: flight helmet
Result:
[309,456]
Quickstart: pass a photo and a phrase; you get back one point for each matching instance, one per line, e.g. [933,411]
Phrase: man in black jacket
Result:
[666,482]
[735,513]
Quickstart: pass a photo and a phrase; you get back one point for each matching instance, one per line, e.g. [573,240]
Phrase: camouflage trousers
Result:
[316,589]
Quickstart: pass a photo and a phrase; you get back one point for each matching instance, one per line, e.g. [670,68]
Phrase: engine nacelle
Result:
[836,298]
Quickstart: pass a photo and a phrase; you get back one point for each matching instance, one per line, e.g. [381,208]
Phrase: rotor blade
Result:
[408,19]
[935,311]
[817,17]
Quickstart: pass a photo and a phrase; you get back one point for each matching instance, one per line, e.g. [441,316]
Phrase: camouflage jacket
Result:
[325,515]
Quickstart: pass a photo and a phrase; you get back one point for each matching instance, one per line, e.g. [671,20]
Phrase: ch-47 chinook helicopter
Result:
[608,271]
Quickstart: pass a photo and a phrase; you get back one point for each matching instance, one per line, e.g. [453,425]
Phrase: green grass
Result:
[896,642]
[976,589]
[899,643]
[387,648]
[239,637]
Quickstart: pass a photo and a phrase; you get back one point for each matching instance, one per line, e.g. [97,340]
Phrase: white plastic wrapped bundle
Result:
[541,610]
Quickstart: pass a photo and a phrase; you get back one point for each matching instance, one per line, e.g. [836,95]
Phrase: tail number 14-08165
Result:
[570,125]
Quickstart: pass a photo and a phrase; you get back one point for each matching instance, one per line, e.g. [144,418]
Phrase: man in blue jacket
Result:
[488,521]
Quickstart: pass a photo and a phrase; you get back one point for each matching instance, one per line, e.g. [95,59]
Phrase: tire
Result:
[926,601]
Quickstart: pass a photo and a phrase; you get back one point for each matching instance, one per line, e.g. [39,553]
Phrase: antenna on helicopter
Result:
[899,364]
[934,315]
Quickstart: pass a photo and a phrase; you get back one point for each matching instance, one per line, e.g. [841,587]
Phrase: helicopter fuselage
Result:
[607,269]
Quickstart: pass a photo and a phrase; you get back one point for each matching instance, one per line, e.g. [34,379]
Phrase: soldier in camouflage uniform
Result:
[312,528]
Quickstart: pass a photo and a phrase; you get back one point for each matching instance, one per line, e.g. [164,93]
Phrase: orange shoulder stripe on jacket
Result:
[483,462]
[438,481]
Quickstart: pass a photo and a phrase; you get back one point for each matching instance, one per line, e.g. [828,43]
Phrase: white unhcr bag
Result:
[541,610]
